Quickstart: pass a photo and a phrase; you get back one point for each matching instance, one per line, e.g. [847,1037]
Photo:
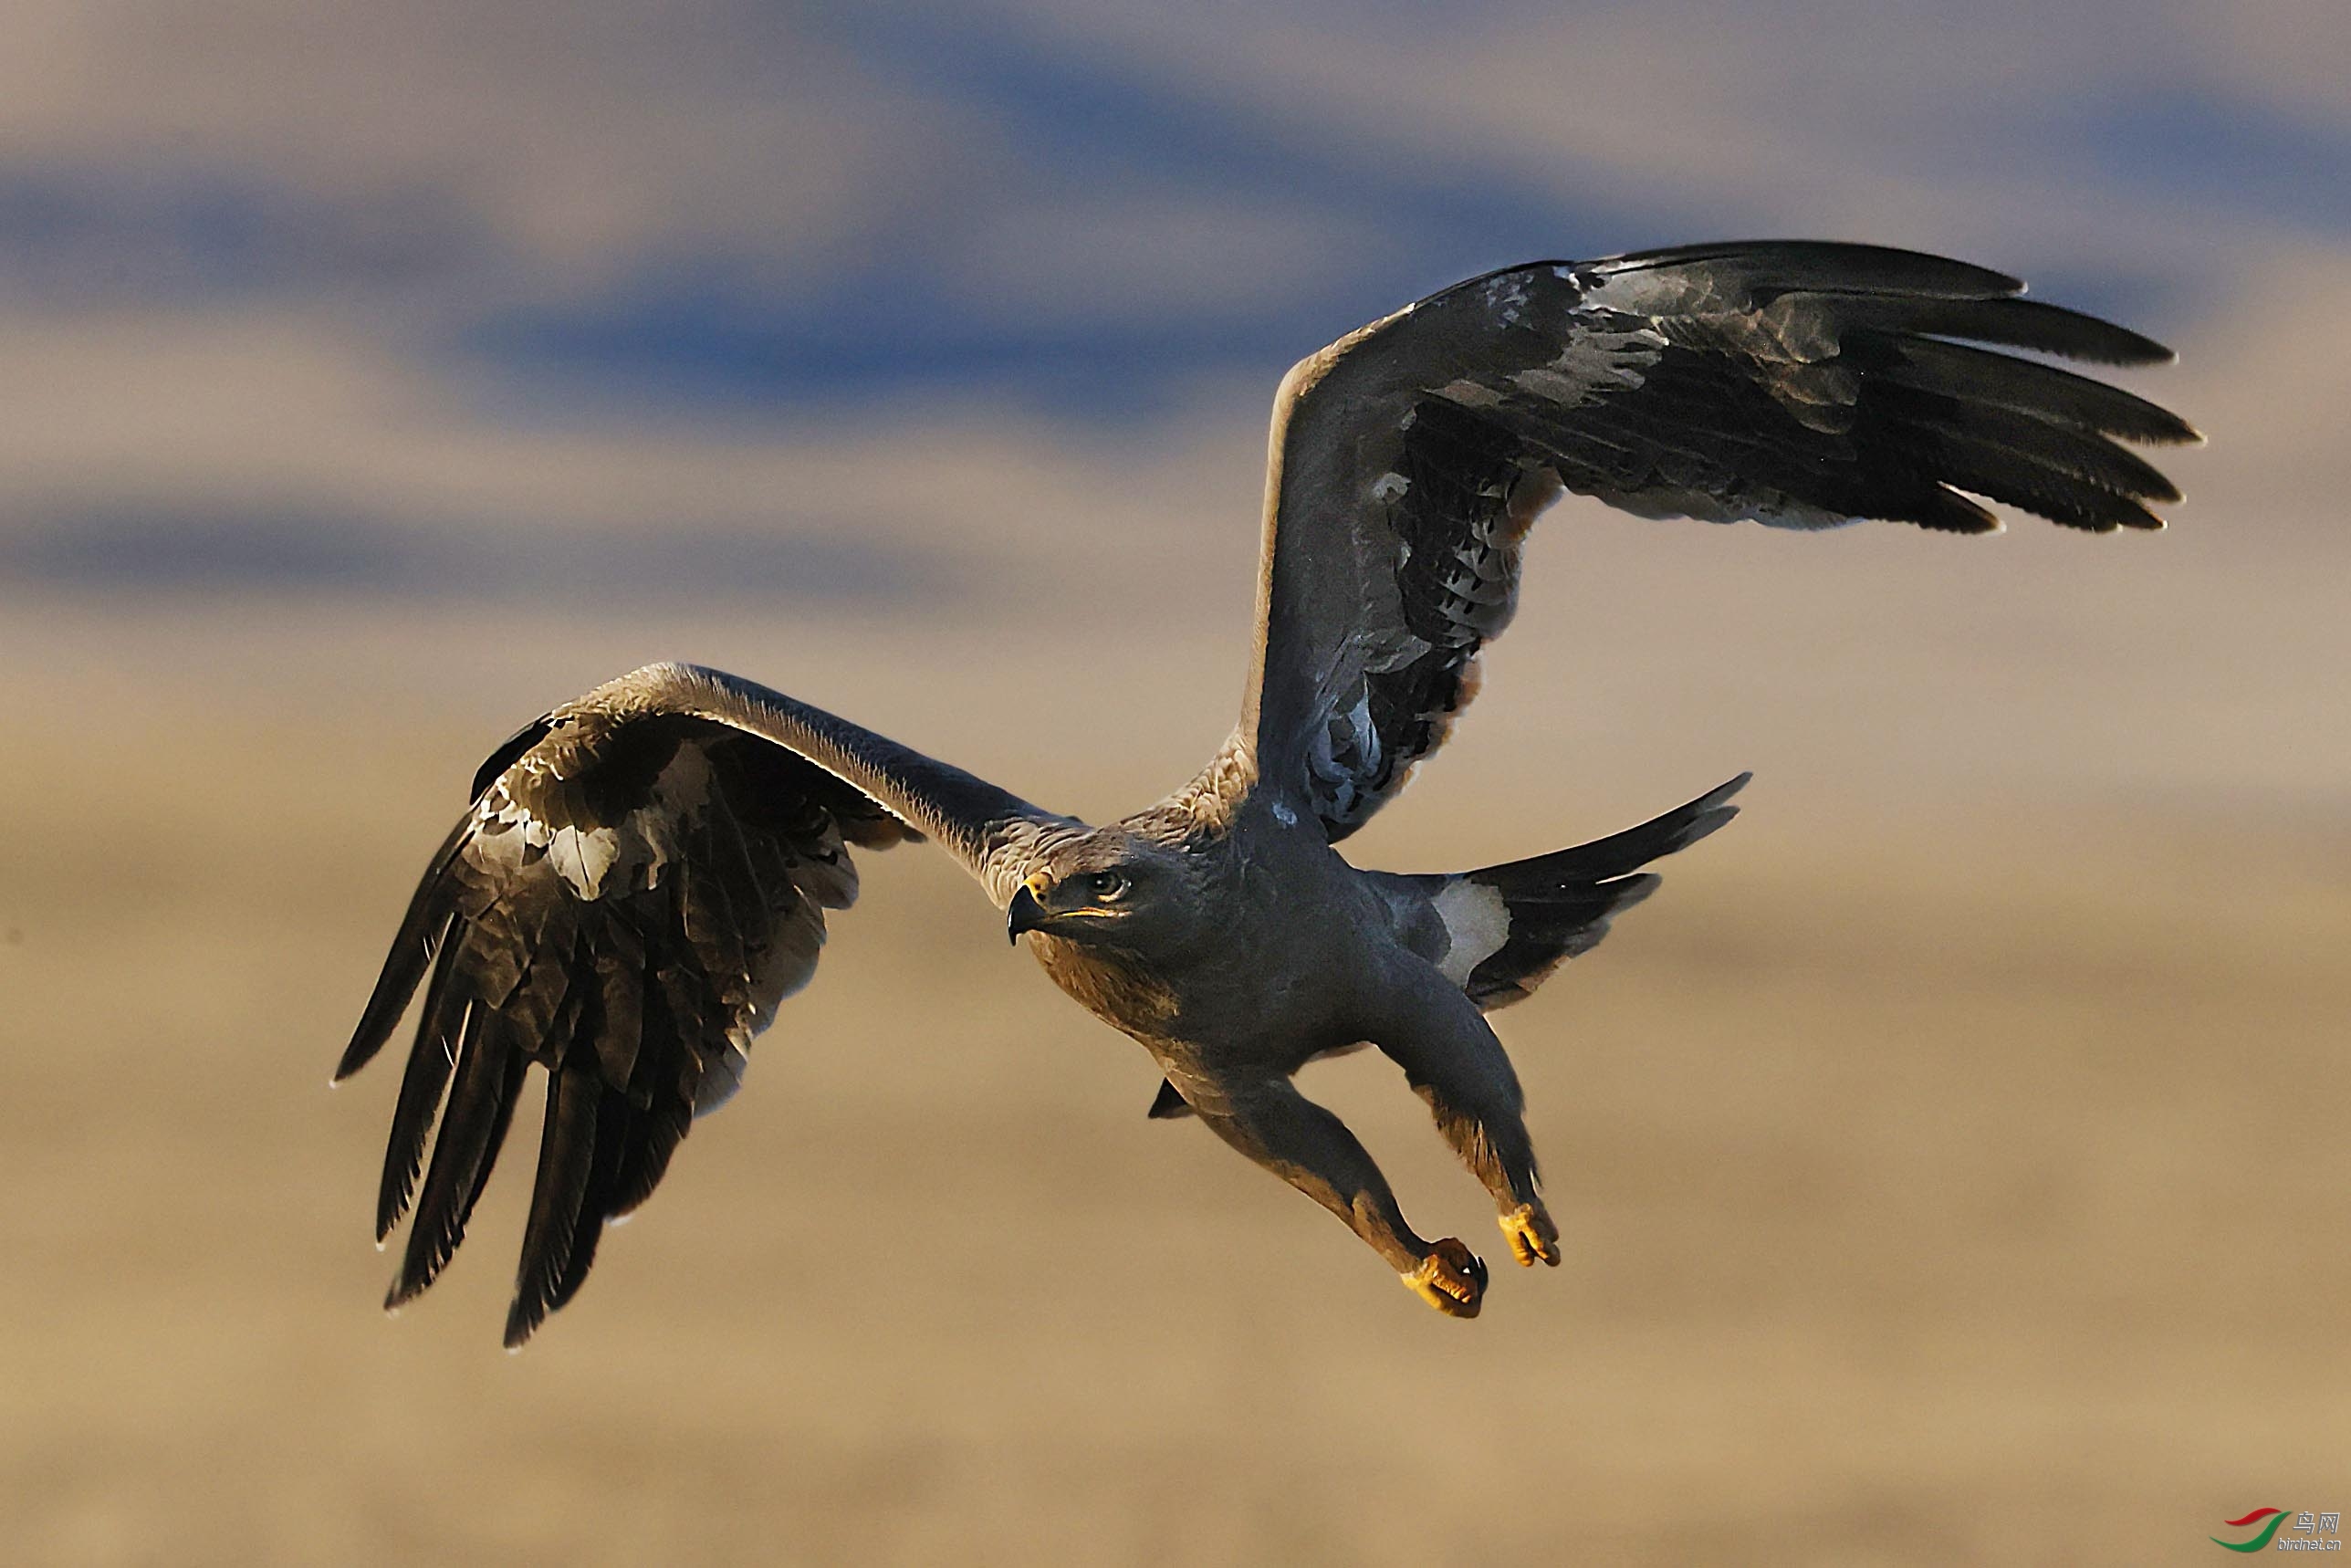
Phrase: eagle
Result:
[643,874]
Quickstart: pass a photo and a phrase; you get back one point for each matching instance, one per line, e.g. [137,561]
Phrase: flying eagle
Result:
[643,873]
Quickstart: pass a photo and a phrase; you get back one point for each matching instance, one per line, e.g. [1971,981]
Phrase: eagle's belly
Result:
[1249,1014]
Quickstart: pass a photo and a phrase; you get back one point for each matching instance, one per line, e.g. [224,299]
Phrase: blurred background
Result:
[1953,1160]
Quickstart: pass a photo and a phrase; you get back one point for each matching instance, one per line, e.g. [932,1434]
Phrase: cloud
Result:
[184,549]
[2228,158]
[74,237]
[260,429]
[581,135]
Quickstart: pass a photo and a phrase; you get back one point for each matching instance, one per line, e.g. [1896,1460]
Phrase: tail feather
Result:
[1509,926]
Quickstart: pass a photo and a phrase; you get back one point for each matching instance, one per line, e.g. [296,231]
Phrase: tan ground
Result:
[1945,1178]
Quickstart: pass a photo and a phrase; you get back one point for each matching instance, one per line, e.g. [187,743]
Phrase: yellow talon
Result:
[1532,1235]
[1452,1278]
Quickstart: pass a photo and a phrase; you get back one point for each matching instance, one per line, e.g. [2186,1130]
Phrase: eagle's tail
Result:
[1558,905]
[1506,927]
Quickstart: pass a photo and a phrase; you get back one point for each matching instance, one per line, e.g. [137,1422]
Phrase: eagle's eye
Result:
[1107,887]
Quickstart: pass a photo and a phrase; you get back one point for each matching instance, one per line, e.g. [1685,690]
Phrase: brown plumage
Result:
[644,875]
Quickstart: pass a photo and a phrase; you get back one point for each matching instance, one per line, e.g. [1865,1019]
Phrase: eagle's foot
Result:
[1532,1235]
[1452,1278]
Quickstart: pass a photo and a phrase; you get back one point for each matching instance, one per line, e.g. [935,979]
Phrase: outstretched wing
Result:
[1801,384]
[641,879]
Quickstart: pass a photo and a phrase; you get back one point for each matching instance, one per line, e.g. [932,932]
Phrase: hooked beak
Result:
[1025,914]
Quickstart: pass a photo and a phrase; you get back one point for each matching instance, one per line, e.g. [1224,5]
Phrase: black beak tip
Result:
[1024,915]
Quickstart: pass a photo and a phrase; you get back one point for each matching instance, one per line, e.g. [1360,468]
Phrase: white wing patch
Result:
[1477,923]
[582,859]
[1593,361]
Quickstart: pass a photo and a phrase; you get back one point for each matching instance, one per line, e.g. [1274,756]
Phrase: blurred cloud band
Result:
[149,552]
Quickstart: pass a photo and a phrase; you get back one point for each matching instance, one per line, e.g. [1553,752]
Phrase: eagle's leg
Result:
[1310,1149]
[1452,1059]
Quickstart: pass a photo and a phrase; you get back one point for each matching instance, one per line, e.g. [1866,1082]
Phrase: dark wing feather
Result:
[559,1198]
[1798,383]
[421,1088]
[642,877]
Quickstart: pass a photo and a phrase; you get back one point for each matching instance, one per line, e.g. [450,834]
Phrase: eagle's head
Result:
[1108,886]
